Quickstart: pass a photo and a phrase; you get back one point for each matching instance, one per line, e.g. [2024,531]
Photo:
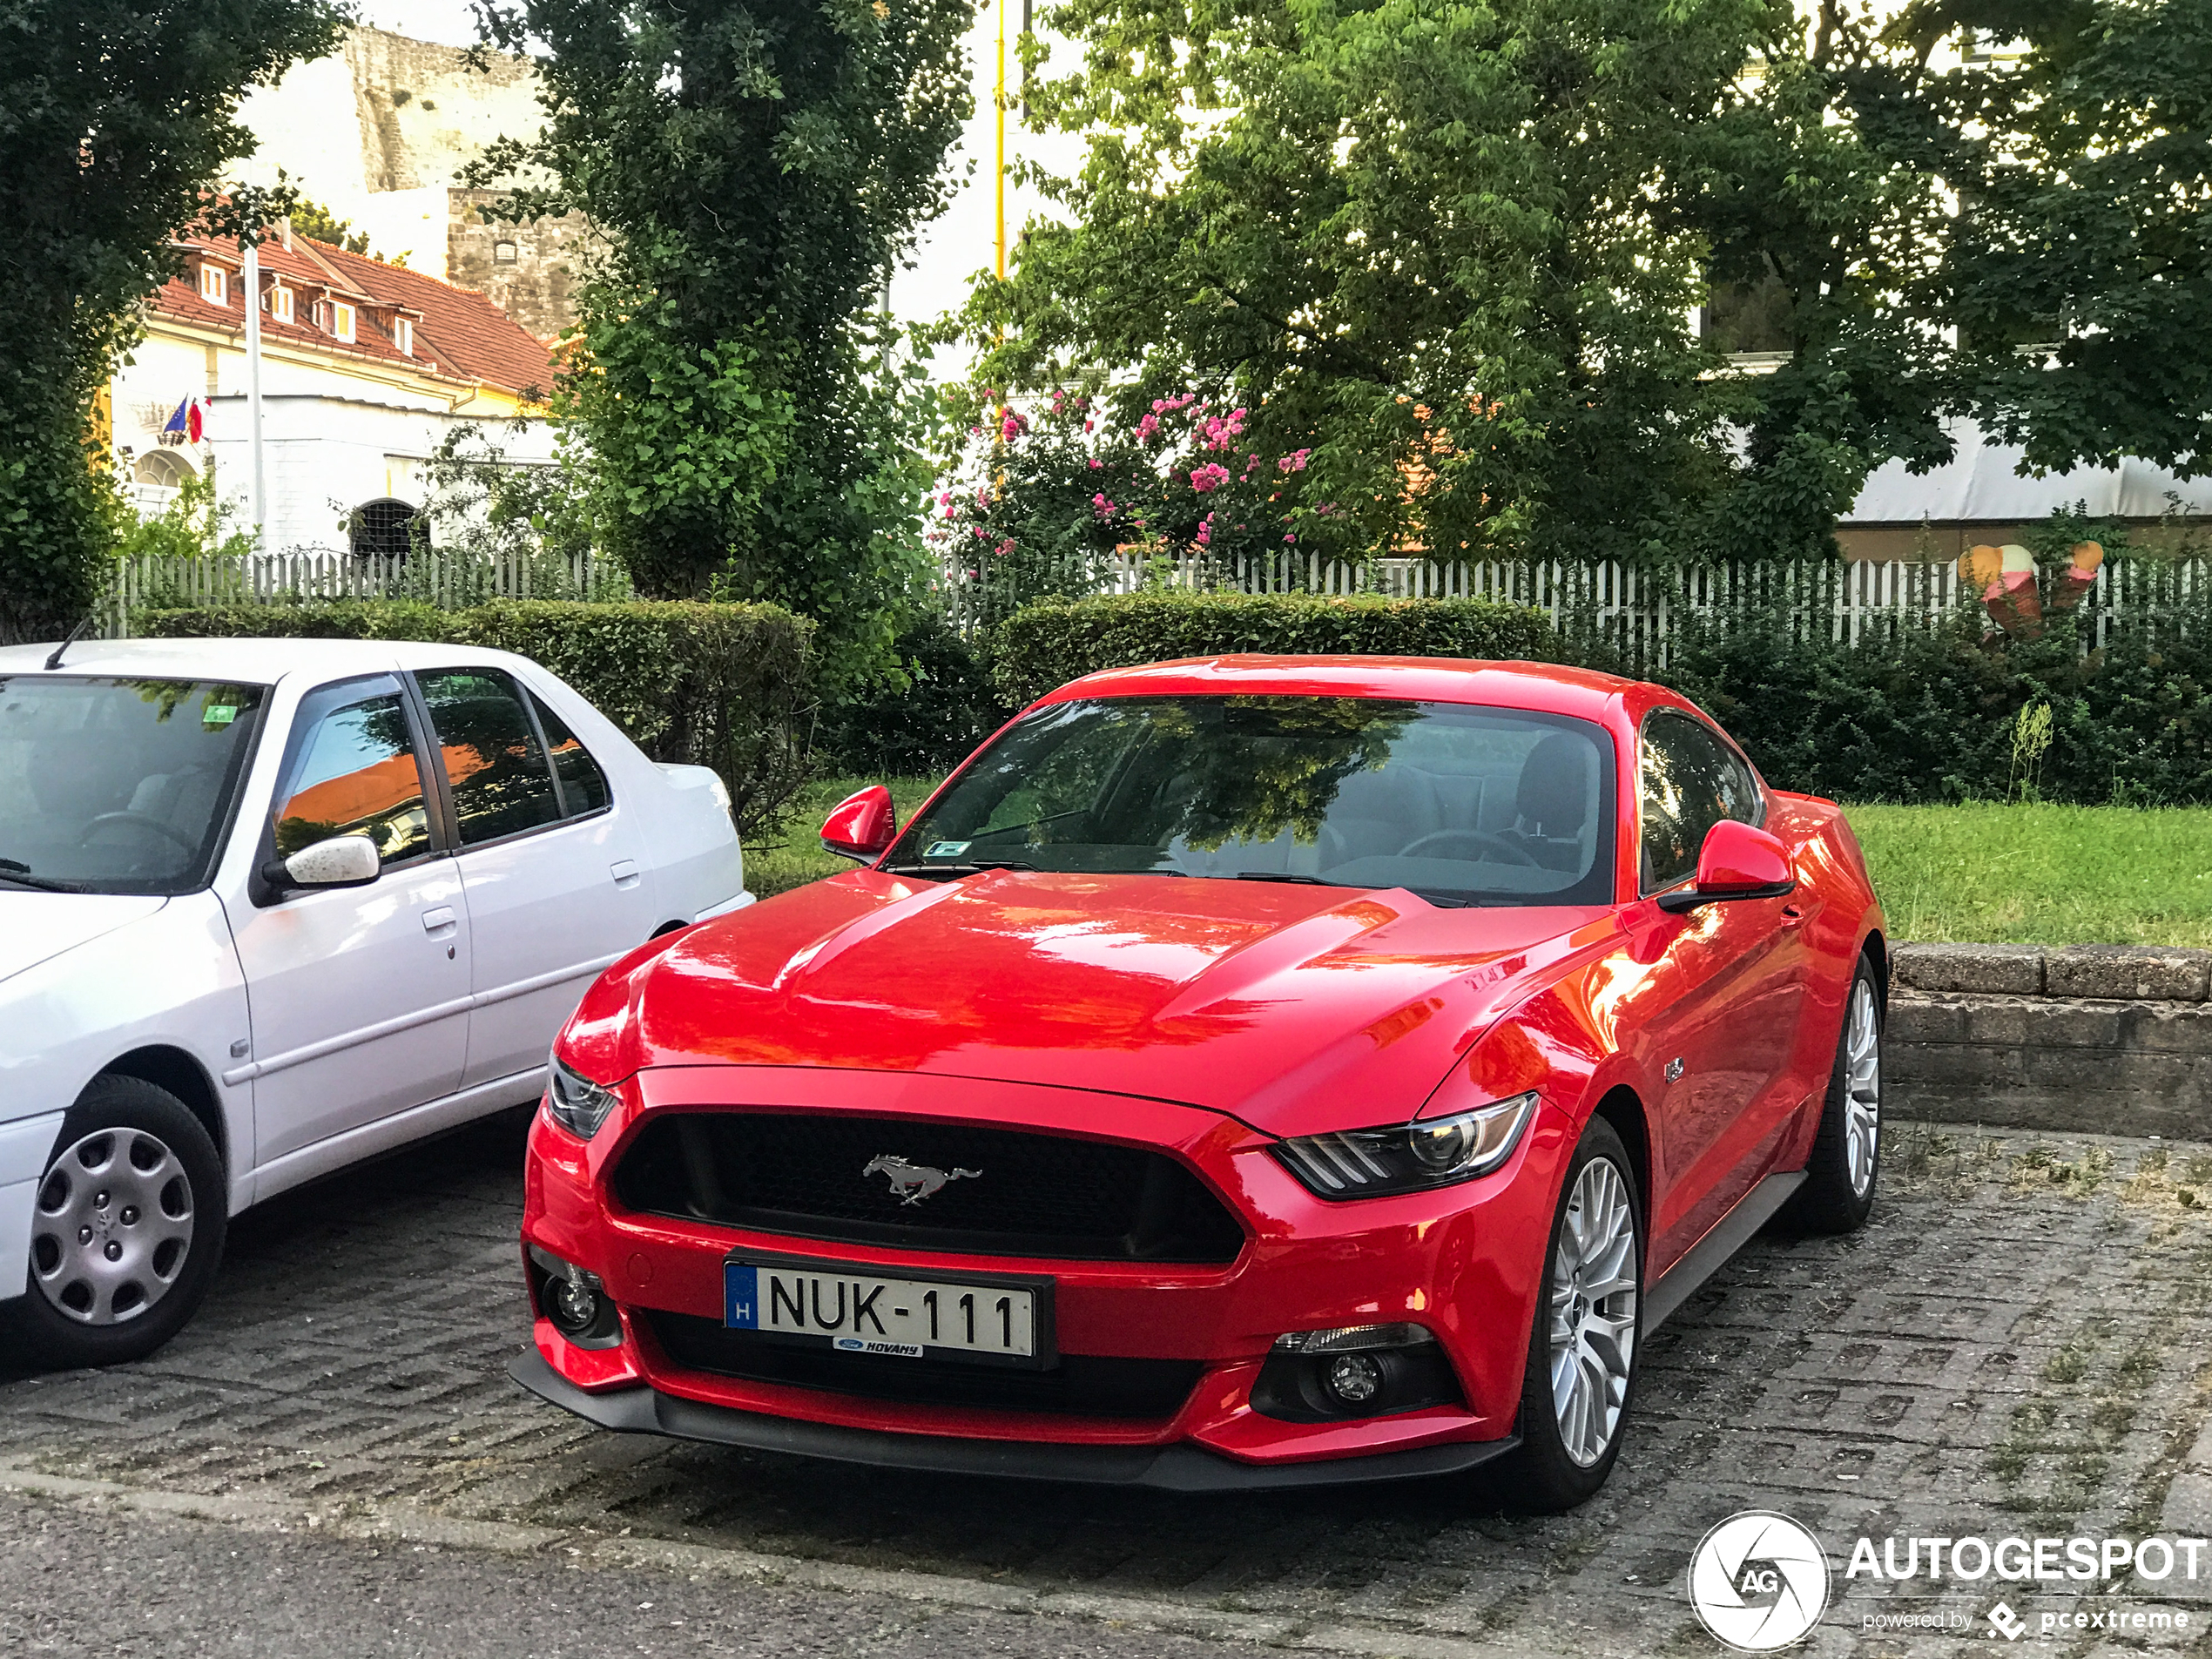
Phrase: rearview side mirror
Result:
[341,861]
[1736,862]
[862,825]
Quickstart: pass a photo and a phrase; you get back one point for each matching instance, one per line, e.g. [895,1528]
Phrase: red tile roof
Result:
[459,334]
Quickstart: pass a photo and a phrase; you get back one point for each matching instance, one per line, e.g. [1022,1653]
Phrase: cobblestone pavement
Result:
[2017,1346]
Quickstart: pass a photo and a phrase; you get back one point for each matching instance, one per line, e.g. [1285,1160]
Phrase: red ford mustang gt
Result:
[1247,1072]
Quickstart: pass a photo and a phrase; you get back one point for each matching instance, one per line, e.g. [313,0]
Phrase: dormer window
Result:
[403,336]
[280,304]
[502,253]
[215,285]
[341,321]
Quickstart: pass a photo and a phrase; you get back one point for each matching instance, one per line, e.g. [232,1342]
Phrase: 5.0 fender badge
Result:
[912,1182]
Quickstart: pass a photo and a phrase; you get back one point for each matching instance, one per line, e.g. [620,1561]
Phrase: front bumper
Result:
[1463,1262]
[1180,1467]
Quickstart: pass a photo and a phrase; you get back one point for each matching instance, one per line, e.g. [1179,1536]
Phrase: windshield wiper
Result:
[973,867]
[19,873]
[1302,881]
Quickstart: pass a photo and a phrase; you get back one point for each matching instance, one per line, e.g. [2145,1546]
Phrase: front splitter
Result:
[1170,1468]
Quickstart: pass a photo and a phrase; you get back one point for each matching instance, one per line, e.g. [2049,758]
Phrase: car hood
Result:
[36,927]
[1268,1002]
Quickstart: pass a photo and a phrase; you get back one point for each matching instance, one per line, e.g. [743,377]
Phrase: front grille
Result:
[1028,1195]
[1079,1385]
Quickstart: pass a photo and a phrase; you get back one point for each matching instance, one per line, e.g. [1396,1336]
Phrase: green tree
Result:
[115,116]
[2078,137]
[1454,250]
[755,167]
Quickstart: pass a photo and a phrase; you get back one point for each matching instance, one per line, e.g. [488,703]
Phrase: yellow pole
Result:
[999,176]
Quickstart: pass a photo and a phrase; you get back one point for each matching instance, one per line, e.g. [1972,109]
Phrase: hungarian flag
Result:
[186,420]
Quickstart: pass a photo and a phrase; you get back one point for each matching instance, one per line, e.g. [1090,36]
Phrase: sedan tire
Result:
[1582,1352]
[127,1232]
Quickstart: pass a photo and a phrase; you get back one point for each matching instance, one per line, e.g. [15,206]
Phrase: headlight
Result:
[577,1104]
[1433,1152]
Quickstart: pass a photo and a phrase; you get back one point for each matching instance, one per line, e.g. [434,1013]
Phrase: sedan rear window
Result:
[119,785]
[1459,803]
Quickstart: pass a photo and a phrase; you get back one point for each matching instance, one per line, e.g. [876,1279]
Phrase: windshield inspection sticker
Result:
[219,714]
[946,849]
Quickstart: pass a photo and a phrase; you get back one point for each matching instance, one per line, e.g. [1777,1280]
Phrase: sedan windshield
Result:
[1460,804]
[118,785]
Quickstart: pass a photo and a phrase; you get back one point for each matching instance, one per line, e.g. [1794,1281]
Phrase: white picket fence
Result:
[1641,611]
[449,580]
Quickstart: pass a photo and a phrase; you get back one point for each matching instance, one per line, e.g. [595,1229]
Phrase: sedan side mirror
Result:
[861,826]
[1737,863]
[341,861]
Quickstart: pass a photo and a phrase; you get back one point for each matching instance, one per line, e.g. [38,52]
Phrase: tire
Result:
[1846,1162]
[1571,1430]
[135,1146]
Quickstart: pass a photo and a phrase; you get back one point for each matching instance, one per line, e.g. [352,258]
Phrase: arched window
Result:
[161,467]
[387,528]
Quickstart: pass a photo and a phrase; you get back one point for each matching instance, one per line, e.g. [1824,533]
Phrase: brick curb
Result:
[2088,1038]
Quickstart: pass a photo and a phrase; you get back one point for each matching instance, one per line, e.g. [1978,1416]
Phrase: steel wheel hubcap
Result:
[111,1226]
[1594,1298]
[1862,1088]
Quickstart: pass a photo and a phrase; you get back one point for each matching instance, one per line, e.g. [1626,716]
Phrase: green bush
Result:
[923,726]
[1052,642]
[721,686]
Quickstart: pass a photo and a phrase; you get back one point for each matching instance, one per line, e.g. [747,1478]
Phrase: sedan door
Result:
[550,862]
[358,996]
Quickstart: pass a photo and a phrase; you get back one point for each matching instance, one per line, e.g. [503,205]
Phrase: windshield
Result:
[118,785]
[1460,804]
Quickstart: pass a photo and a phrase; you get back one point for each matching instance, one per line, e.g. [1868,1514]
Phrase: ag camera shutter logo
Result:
[1759,1581]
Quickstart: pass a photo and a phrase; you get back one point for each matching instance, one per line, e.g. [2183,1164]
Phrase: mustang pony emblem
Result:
[912,1182]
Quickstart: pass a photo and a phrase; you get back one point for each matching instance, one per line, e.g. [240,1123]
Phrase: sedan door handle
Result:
[438,922]
[624,871]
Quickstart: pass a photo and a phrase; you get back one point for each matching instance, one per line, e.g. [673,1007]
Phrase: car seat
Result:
[1552,802]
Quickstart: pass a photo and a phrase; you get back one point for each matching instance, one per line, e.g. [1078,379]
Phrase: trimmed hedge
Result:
[722,685]
[1047,645]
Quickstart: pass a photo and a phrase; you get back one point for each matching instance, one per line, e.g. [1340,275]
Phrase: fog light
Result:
[576,1301]
[1353,1379]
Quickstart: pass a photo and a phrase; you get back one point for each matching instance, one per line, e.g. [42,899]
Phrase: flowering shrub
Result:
[1047,496]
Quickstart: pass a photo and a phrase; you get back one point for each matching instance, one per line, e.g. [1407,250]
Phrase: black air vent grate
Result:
[1045,1196]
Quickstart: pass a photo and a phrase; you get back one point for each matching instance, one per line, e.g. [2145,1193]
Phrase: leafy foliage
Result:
[925,723]
[755,167]
[2082,157]
[1050,642]
[722,685]
[114,116]
[196,523]
[1454,250]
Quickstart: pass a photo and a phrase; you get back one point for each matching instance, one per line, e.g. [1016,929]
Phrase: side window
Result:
[357,775]
[1689,782]
[584,786]
[498,773]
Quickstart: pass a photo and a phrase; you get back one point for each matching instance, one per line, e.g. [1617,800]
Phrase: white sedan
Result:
[268,906]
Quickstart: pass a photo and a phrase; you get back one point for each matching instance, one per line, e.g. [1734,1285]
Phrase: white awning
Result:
[1982,484]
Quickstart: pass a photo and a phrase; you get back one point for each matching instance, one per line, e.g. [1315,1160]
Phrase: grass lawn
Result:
[2043,875]
[2040,875]
[794,856]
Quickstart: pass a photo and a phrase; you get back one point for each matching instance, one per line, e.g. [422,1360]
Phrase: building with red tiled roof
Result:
[364,368]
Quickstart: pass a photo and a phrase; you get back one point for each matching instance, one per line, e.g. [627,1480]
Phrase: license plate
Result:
[992,1320]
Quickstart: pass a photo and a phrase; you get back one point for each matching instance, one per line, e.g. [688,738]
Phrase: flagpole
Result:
[251,279]
[998,174]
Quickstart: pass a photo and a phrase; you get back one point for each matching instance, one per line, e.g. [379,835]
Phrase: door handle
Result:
[438,922]
[1791,916]
[624,871]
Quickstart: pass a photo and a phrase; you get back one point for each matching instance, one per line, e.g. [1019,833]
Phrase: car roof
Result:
[1547,687]
[251,661]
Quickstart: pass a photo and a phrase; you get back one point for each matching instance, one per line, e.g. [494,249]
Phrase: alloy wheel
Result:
[112,1227]
[1594,1308]
[1862,1088]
